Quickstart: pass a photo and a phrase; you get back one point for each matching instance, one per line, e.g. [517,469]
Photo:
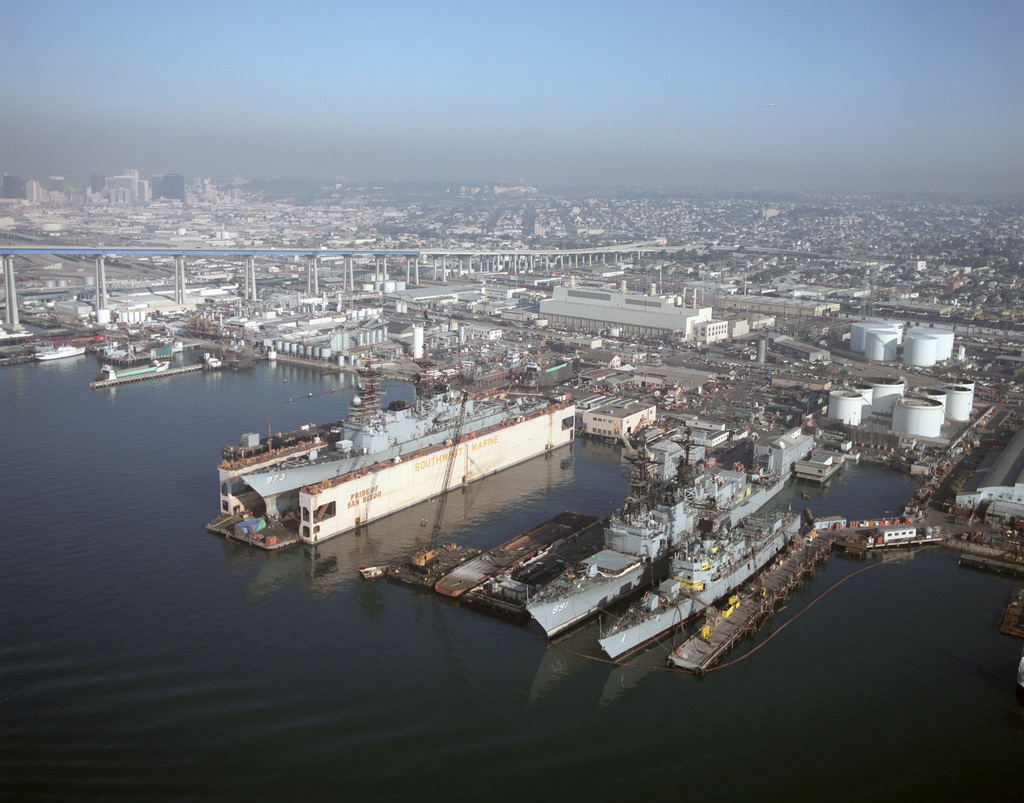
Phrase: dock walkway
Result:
[1012,623]
[110,383]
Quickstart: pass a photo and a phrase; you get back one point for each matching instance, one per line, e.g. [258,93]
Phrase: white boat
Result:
[1020,681]
[371,572]
[108,373]
[48,352]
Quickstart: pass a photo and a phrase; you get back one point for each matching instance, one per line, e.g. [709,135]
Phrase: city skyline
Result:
[875,97]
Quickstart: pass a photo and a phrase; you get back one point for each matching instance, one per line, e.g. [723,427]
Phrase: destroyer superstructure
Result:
[636,538]
[320,481]
[704,569]
[654,520]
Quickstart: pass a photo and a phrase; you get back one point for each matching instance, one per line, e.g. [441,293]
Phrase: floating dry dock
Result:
[747,610]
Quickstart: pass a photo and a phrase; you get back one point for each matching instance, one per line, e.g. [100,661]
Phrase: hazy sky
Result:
[868,95]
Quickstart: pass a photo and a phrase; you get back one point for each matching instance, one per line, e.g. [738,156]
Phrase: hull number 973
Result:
[275,478]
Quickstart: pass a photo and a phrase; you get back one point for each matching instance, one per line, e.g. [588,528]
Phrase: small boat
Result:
[48,352]
[371,572]
[108,373]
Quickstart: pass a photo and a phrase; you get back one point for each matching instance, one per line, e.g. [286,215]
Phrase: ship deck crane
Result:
[424,556]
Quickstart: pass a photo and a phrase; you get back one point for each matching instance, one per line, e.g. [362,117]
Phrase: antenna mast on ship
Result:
[640,498]
[365,405]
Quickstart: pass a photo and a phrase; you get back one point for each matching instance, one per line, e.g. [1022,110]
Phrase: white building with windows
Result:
[591,309]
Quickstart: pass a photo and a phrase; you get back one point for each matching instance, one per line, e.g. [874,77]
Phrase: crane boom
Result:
[424,555]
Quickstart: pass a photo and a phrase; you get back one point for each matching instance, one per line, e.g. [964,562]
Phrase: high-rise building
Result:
[169,185]
[96,183]
[12,187]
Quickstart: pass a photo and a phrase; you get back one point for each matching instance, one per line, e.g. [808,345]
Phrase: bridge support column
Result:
[417,274]
[349,282]
[250,278]
[12,293]
[179,279]
[312,276]
[101,283]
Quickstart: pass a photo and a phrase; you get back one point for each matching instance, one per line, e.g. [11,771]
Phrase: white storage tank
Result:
[959,401]
[917,417]
[867,394]
[886,391]
[934,393]
[417,342]
[845,406]
[102,317]
[921,349]
[857,332]
[880,344]
[945,340]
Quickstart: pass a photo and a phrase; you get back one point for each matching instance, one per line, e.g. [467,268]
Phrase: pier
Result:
[1012,623]
[110,383]
[750,608]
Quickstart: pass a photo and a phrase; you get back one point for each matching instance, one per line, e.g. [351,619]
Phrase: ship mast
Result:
[365,405]
[640,499]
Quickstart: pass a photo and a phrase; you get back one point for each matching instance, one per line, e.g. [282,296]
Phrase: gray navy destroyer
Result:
[654,520]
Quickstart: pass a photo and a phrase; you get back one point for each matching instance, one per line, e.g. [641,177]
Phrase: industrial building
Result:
[630,313]
[617,418]
[997,487]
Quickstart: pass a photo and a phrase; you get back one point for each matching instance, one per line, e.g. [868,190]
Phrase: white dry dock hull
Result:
[381,490]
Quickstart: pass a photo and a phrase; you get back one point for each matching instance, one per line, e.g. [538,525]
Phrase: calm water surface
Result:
[143,659]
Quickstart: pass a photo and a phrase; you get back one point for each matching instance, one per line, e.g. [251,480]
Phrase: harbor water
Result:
[143,659]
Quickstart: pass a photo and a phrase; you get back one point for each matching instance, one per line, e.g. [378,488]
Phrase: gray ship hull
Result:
[640,628]
[564,606]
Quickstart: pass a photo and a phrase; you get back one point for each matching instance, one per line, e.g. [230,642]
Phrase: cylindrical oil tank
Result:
[867,394]
[102,317]
[917,417]
[934,393]
[958,383]
[920,349]
[880,344]
[945,349]
[762,351]
[857,331]
[417,342]
[959,401]
[886,391]
[845,406]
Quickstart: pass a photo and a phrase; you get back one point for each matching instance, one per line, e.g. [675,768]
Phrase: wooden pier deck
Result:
[111,383]
[991,564]
[756,602]
[1012,623]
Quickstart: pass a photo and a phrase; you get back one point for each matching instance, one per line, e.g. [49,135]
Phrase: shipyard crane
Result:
[423,557]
